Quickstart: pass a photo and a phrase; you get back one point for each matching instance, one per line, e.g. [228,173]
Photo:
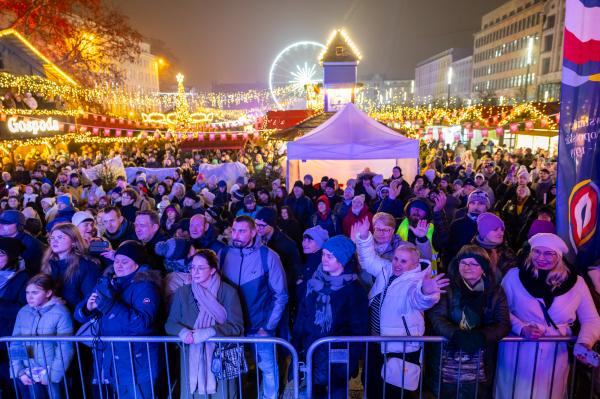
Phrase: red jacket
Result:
[351,218]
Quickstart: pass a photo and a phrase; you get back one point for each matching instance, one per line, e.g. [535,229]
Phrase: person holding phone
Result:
[66,261]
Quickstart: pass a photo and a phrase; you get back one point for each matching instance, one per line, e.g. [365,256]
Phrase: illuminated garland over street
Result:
[119,102]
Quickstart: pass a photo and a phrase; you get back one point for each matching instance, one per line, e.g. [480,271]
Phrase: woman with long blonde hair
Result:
[545,298]
[66,261]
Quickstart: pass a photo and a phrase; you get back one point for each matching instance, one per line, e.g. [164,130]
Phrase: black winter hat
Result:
[330,183]
[192,195]
[267,215]
[134,250]
[11,247]
[298,183]
[419,203]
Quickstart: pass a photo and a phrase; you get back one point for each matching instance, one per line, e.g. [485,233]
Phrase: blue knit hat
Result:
[64,199]
[341,247]
[317,234]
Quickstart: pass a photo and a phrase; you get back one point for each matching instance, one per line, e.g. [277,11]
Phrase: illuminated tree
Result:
[85,37]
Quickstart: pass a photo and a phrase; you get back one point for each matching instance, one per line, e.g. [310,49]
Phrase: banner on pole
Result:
[578,152]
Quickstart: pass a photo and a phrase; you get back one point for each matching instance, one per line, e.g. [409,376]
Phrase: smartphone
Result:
[590,356]
[97,247]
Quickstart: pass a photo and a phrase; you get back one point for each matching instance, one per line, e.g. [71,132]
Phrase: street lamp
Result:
[449,76]
[528,61]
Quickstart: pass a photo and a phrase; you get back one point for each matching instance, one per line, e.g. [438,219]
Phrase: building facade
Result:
[378,90]
[506,51]
[142,75]
[551,52]
[431,75]
[461,79]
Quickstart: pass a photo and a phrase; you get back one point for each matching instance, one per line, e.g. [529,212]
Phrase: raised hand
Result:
[395,188]
[360,230]
[421,230]
[439,202]
[434,285]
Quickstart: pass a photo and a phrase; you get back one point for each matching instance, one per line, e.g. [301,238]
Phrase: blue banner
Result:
[578,182]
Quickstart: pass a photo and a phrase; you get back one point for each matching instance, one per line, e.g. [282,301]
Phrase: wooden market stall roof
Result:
[52,71]
[302,128]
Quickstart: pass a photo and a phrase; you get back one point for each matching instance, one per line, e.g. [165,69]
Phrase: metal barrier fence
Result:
[140,367]
[540,368]
[157,367]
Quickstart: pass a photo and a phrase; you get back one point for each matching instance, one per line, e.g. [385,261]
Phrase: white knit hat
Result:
[549,240]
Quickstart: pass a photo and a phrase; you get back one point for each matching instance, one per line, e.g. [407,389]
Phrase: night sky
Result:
[235,41]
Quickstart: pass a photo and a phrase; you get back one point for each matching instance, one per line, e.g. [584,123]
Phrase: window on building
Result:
[545,66]
[547,43]
[339,51]
[550,21]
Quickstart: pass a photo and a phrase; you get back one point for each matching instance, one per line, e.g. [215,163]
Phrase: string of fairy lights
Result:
[120,102]
[122,122]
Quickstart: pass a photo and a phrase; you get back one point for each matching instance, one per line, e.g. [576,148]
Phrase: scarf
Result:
[210,312]
[5,276]
[485,244]
[538,288]
[467,303]
[324,285]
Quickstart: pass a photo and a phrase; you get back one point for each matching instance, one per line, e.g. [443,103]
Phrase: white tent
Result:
[348,142]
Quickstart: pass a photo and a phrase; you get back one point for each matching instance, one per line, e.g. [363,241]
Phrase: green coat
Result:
[53,319]
[184,311]
[183,314]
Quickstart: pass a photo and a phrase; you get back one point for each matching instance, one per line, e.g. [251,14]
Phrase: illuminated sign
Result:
[171,119]
[33,126]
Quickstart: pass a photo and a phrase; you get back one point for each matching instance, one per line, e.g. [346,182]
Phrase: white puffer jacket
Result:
[403,298]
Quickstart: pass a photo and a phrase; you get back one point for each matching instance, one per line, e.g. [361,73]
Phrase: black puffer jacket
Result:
[445,318]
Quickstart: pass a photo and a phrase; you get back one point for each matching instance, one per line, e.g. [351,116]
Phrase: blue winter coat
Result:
[34,250]
[302,208]
[332,224]
[12,299]
[208,240]
[128,306]
[80,285]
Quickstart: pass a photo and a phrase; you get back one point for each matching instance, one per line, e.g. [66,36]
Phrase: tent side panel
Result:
[342,170]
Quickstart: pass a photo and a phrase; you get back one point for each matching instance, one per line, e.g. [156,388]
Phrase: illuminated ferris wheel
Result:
[295,67]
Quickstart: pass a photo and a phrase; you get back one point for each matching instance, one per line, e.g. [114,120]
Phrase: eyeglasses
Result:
[468,264]
[261,225]
[545,254]
[57,238]
[383,231]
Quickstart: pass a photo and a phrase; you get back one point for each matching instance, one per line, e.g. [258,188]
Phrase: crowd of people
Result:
[467,251]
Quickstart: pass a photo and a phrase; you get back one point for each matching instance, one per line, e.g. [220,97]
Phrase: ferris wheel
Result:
[295,67]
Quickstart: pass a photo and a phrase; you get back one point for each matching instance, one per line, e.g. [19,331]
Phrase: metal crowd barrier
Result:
[135,367]
[582,381]
[151,367]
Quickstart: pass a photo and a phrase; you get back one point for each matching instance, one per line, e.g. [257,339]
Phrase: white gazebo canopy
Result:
[346,144]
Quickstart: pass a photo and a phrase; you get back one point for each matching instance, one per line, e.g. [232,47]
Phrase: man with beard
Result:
[257,273]
[421,225]
[463,229]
